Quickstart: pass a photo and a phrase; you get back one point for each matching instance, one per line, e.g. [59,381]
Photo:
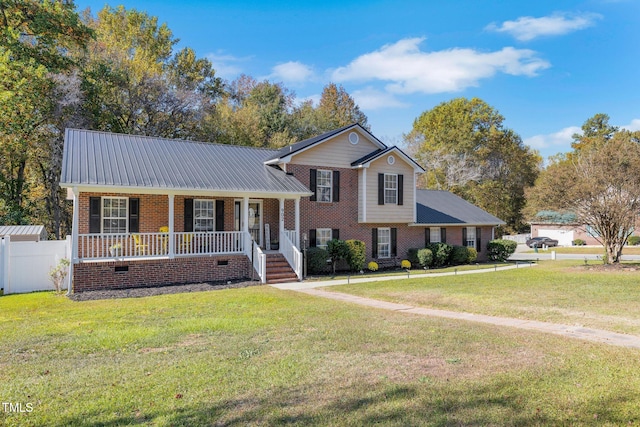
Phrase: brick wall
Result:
[89,276]
[343,215]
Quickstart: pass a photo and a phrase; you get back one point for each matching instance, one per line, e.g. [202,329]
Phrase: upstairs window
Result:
[390,189]
[324,185]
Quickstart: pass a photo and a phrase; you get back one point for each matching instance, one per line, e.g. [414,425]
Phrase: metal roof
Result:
[23,230]
[298,146]
[101,159]
[442,207]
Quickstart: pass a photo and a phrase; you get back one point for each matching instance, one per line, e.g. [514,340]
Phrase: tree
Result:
[465,149]
[36,38]
[599,182]
[337,109]
[135,84]
[605,190]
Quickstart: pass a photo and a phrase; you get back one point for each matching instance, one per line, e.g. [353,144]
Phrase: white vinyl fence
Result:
[25,266]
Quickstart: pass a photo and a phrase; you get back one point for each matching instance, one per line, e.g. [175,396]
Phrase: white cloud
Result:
[292,72]
[373,99]
[633,126]
[410,70]
[528,28]
[226,66]
[561,138]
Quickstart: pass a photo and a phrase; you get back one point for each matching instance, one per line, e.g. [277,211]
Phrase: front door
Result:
[255,219]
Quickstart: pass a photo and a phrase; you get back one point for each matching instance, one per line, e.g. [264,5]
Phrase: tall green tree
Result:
[36,38]
[465,148]
[134,83]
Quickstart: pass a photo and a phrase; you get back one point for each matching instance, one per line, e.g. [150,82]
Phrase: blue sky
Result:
[547,66]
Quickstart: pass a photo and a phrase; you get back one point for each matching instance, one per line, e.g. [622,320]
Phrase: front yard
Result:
[262,356]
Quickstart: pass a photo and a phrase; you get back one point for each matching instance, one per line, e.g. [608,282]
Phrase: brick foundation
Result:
[91,276]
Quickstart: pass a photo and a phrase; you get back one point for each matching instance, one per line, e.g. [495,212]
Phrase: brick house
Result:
[151,211]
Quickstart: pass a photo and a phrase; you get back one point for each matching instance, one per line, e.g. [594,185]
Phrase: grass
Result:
[587,250]
[263,356]
[413,272]
[554,291]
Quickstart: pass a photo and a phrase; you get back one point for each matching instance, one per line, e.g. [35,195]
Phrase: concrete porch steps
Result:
[279,270]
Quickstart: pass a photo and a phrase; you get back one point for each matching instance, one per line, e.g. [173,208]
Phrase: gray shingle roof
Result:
[442,207]
[108,159]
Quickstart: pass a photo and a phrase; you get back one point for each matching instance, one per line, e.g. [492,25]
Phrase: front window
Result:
[324,185]
[114,215]
[471,237]
[390,189]
[203,216]
[384,242]
[323,236]
[434,234]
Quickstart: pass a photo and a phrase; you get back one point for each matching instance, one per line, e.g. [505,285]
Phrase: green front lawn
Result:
[554,291]
[263,356]
[587,250]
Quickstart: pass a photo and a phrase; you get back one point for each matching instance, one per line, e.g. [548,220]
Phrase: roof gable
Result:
[375,155]
[285,154]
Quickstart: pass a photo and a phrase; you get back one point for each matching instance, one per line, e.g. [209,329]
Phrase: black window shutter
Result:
[427,236]
[336,186]
[478,239]
[394,242]
[95,213]
[443,235]
[464,236]
[381,189]
[188,215]
[219,215]
[313,175]
[134,215]
[335,233]
[400,189]
[374,243]
[312,238]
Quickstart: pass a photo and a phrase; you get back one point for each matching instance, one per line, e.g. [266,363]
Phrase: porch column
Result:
[245,215]
[172,240]
[297,213]
[281,222]
[74,226]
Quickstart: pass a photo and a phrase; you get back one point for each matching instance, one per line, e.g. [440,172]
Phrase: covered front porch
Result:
[124,228]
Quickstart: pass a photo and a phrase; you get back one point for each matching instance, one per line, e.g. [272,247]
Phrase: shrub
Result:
[59,273]
[578,242]
[405,264]
[317,260]
[425,257]
[633,240]
[500,250]
[356,254]
[441,253]
[338,250]
[473,255]
[373,266]
[459,255]
[412,256]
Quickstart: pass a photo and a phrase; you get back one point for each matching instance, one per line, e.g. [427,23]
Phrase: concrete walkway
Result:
[577,332]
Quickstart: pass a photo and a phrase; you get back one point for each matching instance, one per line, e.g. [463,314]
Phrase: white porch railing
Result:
[145,245]
[259,258]
[292,235]
[291,253]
